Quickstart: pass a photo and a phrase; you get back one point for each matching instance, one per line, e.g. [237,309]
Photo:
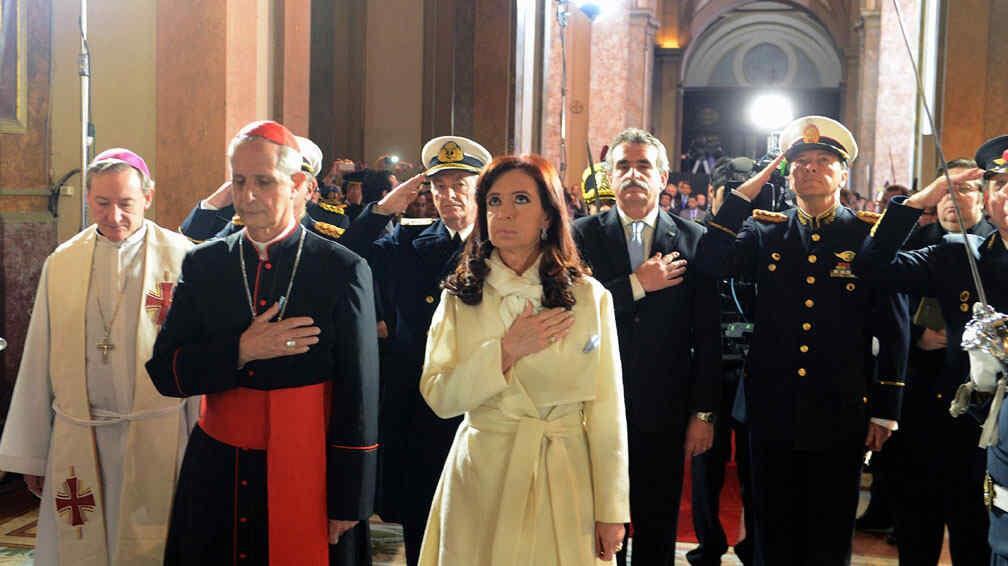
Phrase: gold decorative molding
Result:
[13,30]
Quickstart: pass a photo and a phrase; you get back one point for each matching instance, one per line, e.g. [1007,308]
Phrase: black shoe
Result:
[873,523]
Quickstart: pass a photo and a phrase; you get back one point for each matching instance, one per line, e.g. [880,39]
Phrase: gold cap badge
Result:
[450,153]
[810,134]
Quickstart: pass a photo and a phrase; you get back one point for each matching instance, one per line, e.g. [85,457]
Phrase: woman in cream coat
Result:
[524,345]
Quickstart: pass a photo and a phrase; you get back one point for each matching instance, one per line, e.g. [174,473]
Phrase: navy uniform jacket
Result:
[925,367]
[196,353]
[943,272]
[812,379]
[202,224]
[409,266]
[670,340]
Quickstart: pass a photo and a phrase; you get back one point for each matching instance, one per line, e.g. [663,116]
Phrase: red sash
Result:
[290,424]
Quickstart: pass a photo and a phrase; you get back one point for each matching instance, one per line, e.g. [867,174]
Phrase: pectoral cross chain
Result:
[105,347]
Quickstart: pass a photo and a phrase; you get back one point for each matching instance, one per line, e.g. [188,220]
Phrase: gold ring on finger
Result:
[290,343]
[553,339]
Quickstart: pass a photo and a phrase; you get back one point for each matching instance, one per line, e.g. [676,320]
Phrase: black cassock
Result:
[220,513]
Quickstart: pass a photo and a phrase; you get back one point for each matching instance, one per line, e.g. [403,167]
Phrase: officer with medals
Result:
[943,271]
[815,394]
[214,216]
[409,265]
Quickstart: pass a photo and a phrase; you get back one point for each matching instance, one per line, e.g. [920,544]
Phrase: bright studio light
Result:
[770,112]
[394,158]
[595,10]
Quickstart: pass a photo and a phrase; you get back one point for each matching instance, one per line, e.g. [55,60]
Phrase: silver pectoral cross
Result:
[105,347]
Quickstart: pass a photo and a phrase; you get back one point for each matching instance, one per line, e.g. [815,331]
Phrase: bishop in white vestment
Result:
[84,415]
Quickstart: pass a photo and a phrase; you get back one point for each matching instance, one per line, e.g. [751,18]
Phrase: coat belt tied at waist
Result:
[535,439]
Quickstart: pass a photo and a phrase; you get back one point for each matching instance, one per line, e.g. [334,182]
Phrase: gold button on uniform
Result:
[803,348]
[812,258]
[964,296]
[801,372]
[429,299]
[772,267]
[776,256]
[816,237]
[964,307]
[939,396]
[806,326]
[864,400]
[850,286]
[810,280]
[809,303]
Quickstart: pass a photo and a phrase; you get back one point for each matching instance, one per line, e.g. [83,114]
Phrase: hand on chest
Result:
[562,372]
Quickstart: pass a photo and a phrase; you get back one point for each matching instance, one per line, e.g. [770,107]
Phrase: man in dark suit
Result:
[812,381]
[409,265]
[668,322]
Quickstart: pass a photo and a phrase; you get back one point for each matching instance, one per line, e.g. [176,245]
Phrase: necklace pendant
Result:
[105,347]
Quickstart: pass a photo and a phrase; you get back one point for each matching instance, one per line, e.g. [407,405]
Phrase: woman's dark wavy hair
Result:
[561,266]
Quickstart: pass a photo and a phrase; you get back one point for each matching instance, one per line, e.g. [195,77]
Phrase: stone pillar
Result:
[896,99]
[863,175]
[27,229]
[974,93]
[221,64]
[293,77]
[667,111]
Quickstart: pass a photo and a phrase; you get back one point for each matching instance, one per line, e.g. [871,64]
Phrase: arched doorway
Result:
[755,48]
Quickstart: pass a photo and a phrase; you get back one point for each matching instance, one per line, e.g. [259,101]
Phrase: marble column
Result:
[863,176]
[221,64]
[27,229]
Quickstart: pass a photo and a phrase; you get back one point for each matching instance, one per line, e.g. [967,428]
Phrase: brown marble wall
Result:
[897,90]
[24,245]
[27,230]
[975,91]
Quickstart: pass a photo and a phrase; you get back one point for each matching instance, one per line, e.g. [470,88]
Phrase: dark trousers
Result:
[707,474]
[937,475]
[804,503]
[656,472]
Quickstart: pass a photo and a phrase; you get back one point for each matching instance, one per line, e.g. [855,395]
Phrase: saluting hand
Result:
[396,201]
[933,193]
[752,187]
[264,340]
[222,196]
[658,271]
[530,333]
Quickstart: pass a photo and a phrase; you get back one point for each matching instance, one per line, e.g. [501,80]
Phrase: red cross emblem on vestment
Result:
[159,300]
[73,501]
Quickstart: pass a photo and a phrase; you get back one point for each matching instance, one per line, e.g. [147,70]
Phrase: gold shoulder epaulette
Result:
[868,216]
[337,208]
[331,230]
[237,221]
[767,216]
